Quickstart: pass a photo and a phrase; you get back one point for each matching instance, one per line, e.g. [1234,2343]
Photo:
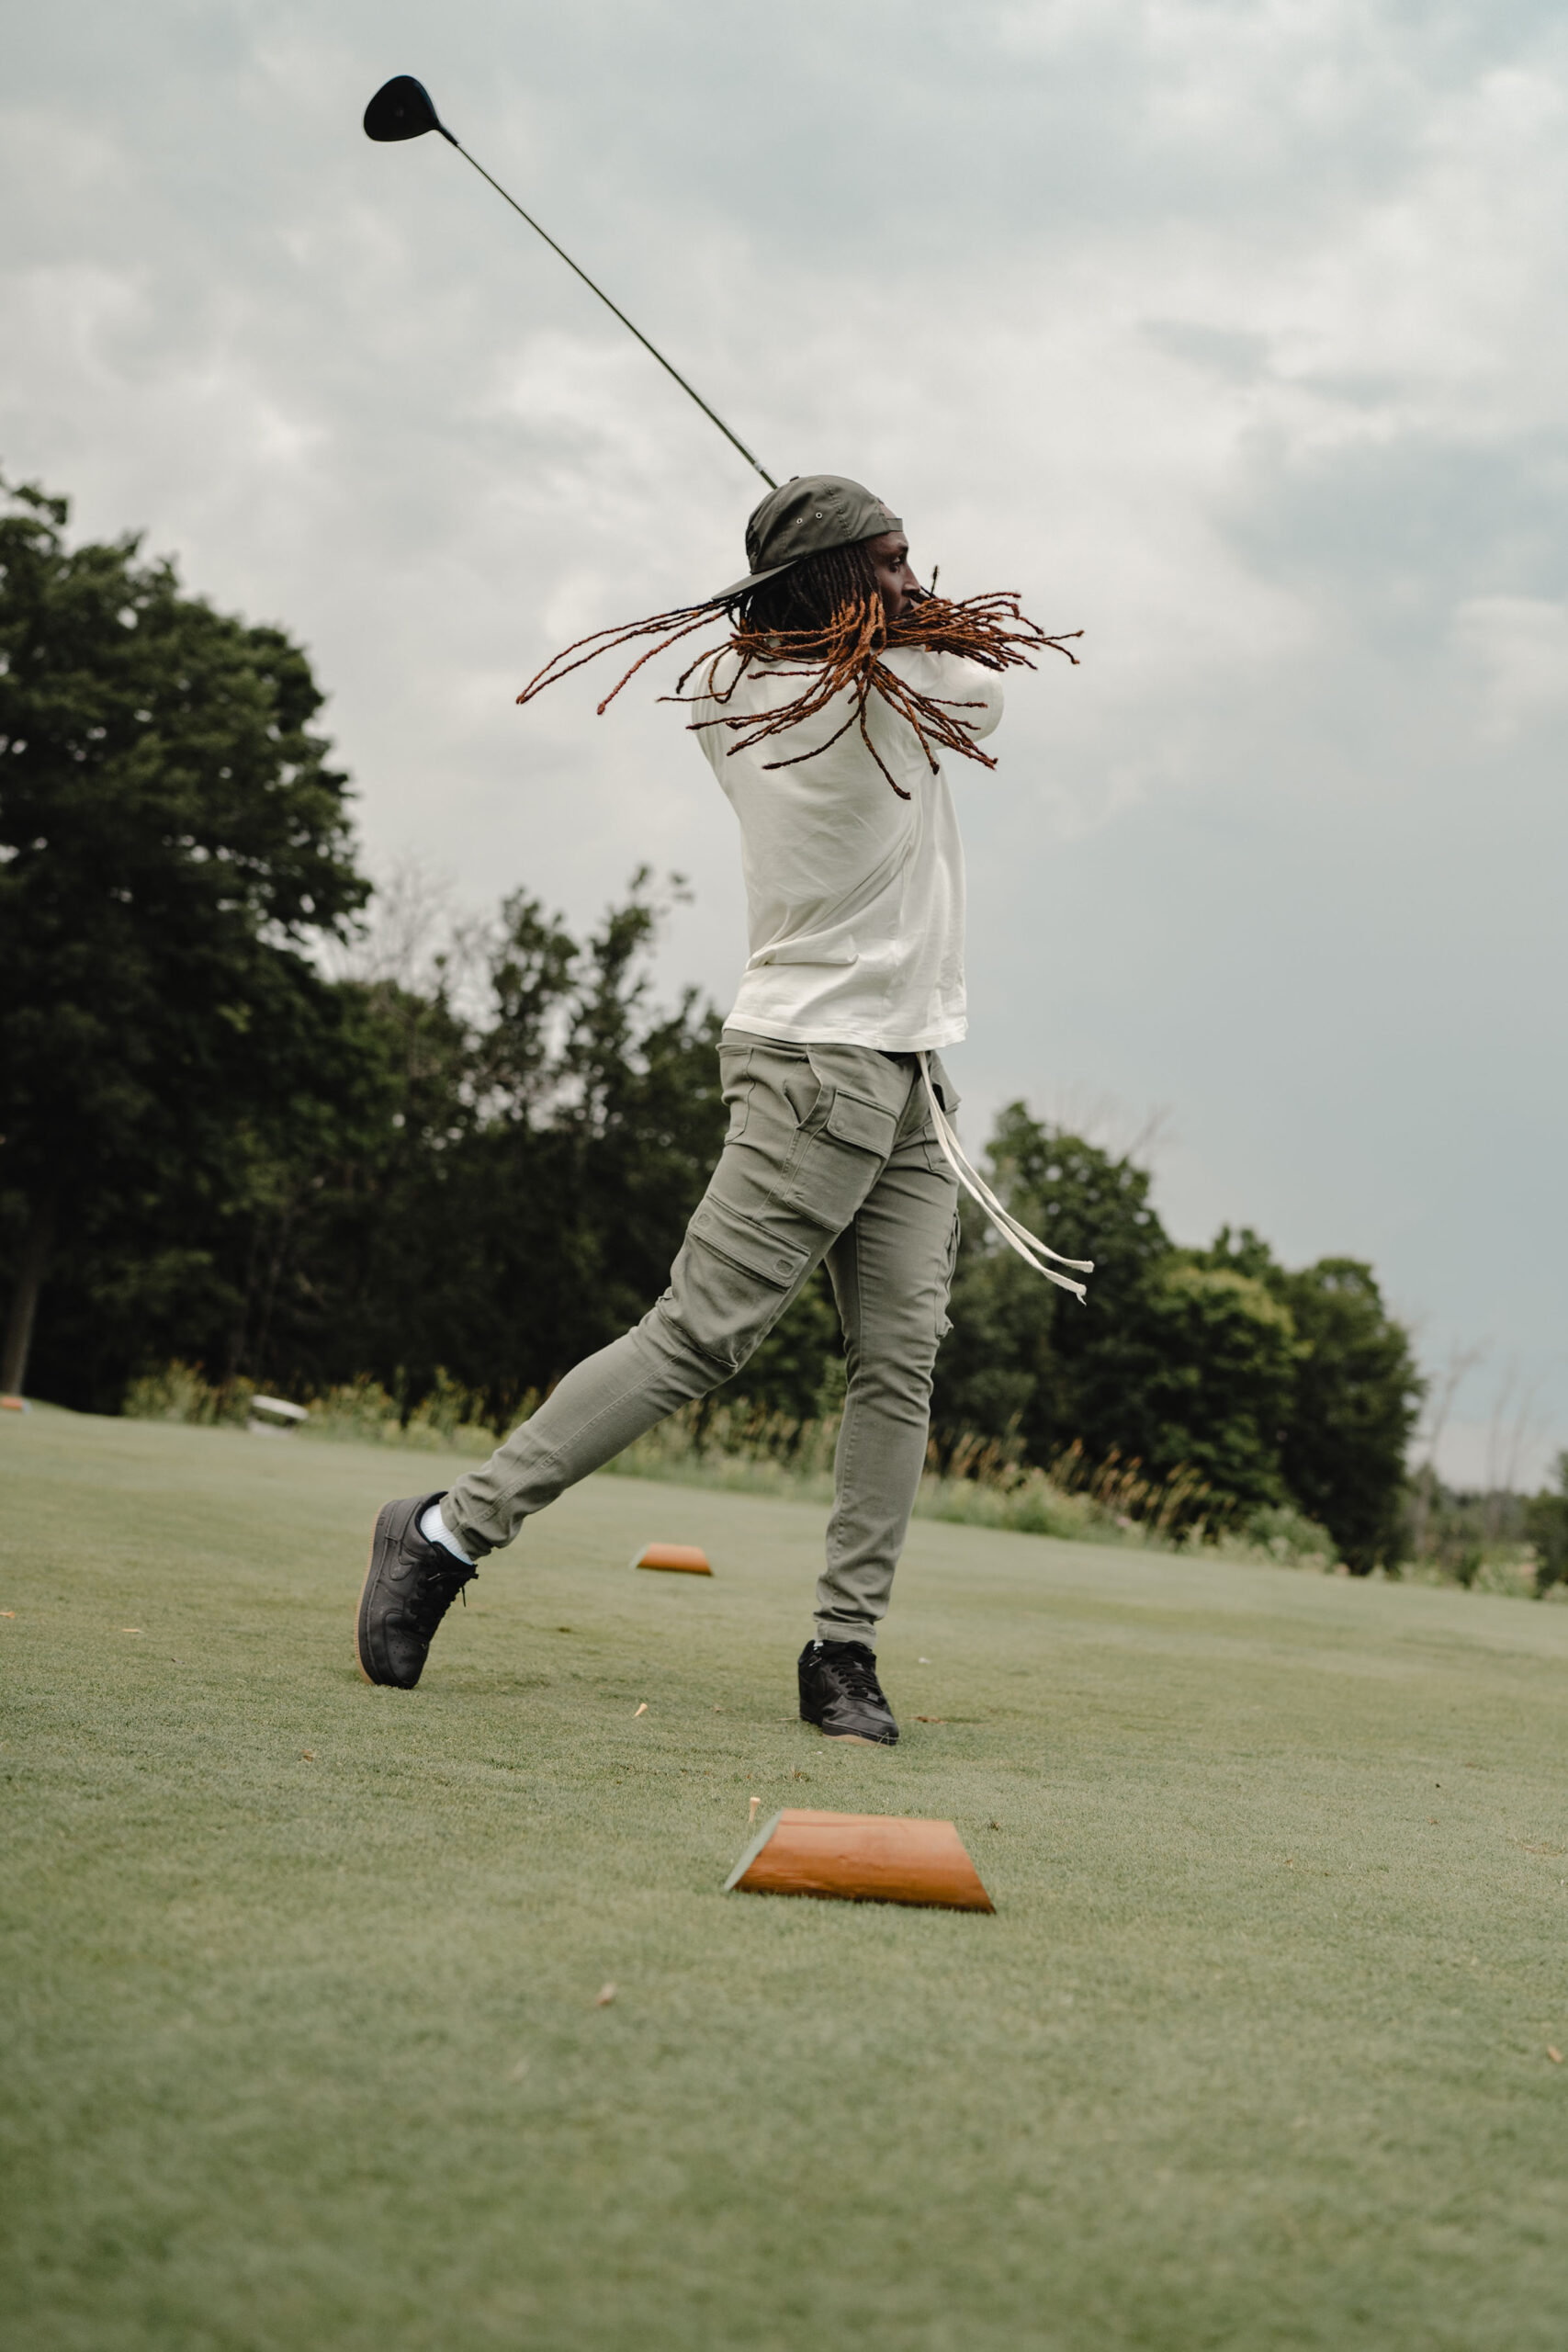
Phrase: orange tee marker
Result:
[685,1556]
[862,1858]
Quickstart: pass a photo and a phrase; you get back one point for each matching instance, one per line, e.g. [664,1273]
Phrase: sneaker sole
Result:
[363,1596]
[381,1542]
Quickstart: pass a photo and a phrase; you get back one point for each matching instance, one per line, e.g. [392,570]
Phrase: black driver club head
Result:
[402,109]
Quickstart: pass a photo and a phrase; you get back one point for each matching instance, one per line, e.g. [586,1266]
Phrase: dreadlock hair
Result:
[807,595]
[823,621]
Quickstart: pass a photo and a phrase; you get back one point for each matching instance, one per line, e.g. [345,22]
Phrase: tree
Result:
[1163,1361]
[596,1119]
[1021,1351]
[1266,1382]
[1357,1394]
[1209,1366]
[1546,1528]
[171,836]
[503,1194]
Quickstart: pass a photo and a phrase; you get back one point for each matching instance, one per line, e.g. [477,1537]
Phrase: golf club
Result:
[403,109]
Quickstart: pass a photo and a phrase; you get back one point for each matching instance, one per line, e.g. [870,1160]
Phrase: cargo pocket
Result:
[744,1244]
[730,1281]
[842,1150]
[866,1126]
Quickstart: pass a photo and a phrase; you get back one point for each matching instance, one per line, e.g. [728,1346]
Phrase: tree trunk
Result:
[24,1298]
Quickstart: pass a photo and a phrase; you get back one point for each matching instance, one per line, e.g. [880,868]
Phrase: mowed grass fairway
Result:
[300,2037]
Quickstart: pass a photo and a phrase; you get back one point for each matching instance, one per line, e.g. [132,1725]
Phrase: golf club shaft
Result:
[733,438]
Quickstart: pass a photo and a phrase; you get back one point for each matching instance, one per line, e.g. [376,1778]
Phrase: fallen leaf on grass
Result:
[642,1711]
[7,1613]
[603,1996]
[308,1755]
[1555,2055]
[931,1719]
[131,1629]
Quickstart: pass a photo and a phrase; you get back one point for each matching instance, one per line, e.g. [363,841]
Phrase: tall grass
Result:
[1181,1507]
[449,1420]
[744,1448]
[181,1392]
[981,1483]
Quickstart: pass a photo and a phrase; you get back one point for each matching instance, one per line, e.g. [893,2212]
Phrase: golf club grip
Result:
[733,438]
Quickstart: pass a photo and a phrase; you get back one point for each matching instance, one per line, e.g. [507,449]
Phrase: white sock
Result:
[434,1528]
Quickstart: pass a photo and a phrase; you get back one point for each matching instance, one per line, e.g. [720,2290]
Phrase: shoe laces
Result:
[854,1669]
[437,1588]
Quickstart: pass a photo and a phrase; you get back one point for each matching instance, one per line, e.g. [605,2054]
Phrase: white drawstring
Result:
[1029,1246]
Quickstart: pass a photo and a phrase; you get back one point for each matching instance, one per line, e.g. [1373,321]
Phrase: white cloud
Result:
[1519,645]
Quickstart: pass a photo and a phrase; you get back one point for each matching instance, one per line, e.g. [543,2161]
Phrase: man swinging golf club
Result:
[823,715]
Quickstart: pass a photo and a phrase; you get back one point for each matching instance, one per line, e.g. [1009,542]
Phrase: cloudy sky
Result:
[1236,335]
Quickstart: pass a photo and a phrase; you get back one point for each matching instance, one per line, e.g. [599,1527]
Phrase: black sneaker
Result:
[408,1586]
[841,1694]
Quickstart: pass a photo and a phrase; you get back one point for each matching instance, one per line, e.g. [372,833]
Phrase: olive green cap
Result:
[805,516]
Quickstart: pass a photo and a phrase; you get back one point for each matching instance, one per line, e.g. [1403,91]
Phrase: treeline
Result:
[1464,1532]
[480,1167]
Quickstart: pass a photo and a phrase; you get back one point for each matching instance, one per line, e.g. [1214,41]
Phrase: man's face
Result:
[890,562]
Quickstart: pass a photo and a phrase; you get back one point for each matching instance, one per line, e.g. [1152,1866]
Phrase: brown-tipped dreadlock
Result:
[826,614]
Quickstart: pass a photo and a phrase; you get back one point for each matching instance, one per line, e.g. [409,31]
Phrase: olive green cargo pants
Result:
[830,1154]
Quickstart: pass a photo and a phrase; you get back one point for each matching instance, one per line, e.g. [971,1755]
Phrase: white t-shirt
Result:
[855,899]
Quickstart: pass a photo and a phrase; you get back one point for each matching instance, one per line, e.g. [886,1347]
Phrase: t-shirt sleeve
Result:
[713,740]
[977,691]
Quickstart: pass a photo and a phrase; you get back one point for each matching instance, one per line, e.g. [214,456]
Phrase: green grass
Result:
[299,1977]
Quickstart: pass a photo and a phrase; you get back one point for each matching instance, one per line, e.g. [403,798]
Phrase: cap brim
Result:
[754,580]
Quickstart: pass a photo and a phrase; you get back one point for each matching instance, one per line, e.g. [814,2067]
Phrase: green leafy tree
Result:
[1357,1394]
[1546,1528]
[171,837]
[520,1197]
[1160,1363]
[1209,1366]
[1271,1383]
[1022,1353]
